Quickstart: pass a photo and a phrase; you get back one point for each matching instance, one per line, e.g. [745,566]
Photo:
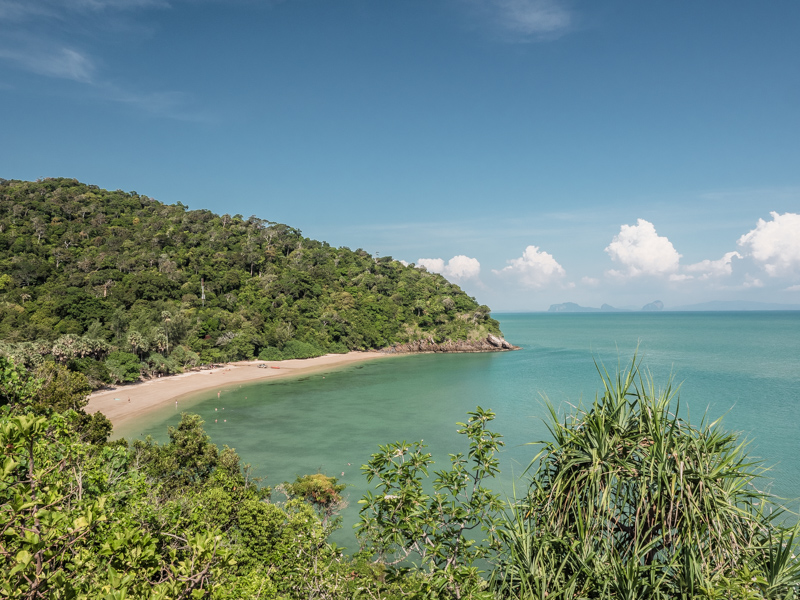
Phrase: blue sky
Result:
[534,151]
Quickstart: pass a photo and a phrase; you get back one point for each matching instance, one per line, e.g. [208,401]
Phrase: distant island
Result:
[657,306]
[571,307]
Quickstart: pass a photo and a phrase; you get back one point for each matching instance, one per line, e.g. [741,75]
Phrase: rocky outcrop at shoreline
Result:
[491,343]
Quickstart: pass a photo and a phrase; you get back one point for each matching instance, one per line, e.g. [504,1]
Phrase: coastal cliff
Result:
[491,343]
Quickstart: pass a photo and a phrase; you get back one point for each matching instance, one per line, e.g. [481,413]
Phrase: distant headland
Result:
[657,306]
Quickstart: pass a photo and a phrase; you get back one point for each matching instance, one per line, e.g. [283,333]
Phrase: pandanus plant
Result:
[629,500]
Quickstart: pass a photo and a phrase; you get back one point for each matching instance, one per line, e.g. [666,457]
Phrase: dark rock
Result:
[491,343]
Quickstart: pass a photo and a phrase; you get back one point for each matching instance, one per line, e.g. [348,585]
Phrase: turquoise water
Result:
[744,366]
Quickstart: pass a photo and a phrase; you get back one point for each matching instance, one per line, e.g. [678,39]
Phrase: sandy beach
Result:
[125,403]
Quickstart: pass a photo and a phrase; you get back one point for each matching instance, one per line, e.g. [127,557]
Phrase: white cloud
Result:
[25,45]
[17,10]
[531,17]
[775,244]
[462,267]
[714,268]
[641,251]
[793,288]
[459,267]
[64,63]
[119,4]
[534,268]
[752,282]
[434,265]
[590,281]
[522,20]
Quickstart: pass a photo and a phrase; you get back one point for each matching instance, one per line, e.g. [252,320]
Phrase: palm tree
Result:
[137,342]
[166,316]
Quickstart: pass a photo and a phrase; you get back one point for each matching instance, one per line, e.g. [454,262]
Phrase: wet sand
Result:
[126,403]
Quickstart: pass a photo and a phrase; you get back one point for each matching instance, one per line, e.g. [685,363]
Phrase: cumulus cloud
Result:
[707,269]
[534,269]
[775,244]
[459,267]
[752,282]
[641,251]
[434,265]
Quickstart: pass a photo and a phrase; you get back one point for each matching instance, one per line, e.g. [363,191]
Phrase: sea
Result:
[740,367]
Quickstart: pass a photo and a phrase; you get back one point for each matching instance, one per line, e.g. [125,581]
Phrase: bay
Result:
[743,366]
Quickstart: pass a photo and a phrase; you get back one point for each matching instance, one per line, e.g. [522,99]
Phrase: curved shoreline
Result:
[126,403]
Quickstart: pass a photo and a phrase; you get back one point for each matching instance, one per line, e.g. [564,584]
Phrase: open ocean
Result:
[744,366]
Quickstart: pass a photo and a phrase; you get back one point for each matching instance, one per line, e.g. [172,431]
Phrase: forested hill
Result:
[99,278]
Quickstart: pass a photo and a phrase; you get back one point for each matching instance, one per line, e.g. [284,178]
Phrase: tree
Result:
[630,500]
[124,367]
[403,522]
[61,389]
[321,491]
[16,386]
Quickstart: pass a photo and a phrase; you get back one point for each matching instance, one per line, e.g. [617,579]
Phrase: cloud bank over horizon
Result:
[768,256]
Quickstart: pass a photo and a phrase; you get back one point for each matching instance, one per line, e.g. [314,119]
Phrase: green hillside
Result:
[112,280]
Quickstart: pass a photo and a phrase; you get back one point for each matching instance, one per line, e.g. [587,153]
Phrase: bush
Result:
[292,349]
[95,371]
[184,357]
[298,349]
[158,364]
[270,353]
[629,500]
[124,367]
[338,348]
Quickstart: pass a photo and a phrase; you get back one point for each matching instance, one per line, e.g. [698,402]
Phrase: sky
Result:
[532,151]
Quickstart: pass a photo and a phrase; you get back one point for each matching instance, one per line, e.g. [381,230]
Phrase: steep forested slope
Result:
[116,281]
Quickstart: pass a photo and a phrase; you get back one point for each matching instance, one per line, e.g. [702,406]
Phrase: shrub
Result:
[629,500]
[95,371]
[270,353]
[124,367]
[298,349]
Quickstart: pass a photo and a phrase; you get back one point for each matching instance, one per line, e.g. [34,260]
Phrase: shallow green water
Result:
[743,365]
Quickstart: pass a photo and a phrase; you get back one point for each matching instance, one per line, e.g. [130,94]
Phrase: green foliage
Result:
[179,521]
[61,389]
[321,491]
[96,372]
[630,500]
[16,386]
[187,460]
[403,522]
[123,367]
[90,273]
